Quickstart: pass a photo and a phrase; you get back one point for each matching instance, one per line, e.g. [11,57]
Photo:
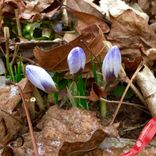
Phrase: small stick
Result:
[115,102]
[15,54]
[29,121]
[18,24]
[123,96]
[6,36]
[135,90]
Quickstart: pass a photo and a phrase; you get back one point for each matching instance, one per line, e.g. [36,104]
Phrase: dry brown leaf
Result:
[91,40]
[67,133]
[10,119]
[39,9]
[82,6]
[86,15]
[71,130]
[8,7]
[96,92]
[131,32]
[132,64]
[91,19]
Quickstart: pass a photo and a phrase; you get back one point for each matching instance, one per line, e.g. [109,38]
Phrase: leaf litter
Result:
[65,130]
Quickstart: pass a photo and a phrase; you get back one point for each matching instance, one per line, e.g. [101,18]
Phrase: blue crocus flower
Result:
[40,78]
[76,60]
[111,64]
[58,27]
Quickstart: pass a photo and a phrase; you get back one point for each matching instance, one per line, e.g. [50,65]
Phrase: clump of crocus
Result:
[111,64]
[76,60]
[40,78]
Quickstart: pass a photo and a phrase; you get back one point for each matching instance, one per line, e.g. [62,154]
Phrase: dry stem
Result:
[123,96]
[29,121]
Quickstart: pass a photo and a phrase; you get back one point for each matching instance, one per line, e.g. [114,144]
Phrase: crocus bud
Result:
[40,78]
[58,27]
[76,60]
[111,64]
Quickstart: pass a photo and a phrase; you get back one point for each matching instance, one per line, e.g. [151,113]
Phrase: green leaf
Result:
[81,89]
[119,90]
[94,69]
[72,91]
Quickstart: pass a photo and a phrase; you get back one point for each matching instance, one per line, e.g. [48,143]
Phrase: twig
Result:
[29,121]
[27,59]
[134,127]
[2,51]
[15,54]
[123,96]
[115,102]
[126,80]
[18,24]
[140,107]
[6,36]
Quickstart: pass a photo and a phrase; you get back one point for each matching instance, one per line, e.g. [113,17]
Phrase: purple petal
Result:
[111,64]
[40,78]
[76,60]
[31,75]
[48,87]
[58,27]
[117,61]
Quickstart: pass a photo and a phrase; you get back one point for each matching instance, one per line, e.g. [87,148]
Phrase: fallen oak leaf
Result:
[91,40]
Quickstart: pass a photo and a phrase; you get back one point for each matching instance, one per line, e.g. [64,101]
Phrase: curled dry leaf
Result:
[96,92]
[10,119]
[91,40]
[147,83]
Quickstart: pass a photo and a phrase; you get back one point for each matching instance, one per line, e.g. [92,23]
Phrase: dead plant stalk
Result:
[29,121]
[123,96]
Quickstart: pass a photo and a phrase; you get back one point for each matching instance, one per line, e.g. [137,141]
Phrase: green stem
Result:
[103,108]
[39,99]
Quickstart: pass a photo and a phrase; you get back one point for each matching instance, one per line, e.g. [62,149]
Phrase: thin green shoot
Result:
[81,89]
[94,69]
[55,96]
[103,108]
[9,69]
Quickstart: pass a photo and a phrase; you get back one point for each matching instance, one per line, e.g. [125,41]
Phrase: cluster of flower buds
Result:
[76,62]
